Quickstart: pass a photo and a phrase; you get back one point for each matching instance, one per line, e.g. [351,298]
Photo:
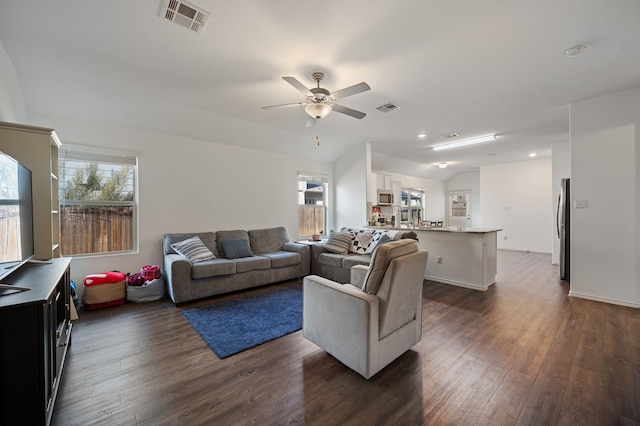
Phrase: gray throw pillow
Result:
[339,242]
[234,249]
[382,240]
[193,249]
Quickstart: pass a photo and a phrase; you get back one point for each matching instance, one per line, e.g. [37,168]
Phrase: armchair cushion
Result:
[381,259]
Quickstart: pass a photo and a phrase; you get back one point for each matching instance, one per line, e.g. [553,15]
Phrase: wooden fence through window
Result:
[95,229]
[311,220]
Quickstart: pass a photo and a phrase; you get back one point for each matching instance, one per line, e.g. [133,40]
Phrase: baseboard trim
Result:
[458,283]
[603,299]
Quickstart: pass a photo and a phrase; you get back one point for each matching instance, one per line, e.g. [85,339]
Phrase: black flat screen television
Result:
[16,215]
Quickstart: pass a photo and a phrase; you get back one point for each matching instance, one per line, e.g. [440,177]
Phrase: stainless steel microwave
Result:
[385,197]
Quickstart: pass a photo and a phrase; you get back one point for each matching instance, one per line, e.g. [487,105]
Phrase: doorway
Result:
[458,209]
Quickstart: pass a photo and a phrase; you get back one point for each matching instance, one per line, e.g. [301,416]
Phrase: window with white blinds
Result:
[98,203]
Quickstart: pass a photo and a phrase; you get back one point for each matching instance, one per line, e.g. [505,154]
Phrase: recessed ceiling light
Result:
[442,165]
[576,50]
[533,154]
[422,135]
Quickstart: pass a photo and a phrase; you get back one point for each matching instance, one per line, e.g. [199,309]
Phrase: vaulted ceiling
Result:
[458,66]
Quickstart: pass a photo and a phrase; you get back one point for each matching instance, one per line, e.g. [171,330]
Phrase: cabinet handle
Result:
[58,334]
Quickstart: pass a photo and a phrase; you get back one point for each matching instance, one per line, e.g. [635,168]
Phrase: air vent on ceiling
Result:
[185,14]
[388,107]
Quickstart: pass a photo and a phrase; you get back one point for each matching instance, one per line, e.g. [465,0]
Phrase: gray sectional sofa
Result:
[337,266]
[272,259]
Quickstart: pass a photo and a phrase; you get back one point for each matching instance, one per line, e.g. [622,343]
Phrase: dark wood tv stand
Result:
[35,333]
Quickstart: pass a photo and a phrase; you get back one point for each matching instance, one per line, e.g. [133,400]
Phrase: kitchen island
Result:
[466,257]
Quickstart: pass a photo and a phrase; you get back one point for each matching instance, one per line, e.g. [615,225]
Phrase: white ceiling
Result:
[464,66]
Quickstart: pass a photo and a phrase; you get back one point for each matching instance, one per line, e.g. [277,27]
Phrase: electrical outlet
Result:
[439,260]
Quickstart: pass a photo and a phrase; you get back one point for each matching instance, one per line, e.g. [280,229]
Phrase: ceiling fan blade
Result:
[311,122]
[295,83]
[283,105]
[348,111]
[351,90]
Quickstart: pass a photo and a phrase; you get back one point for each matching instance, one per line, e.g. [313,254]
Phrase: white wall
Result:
[560,168]
[351,177]
[605,237]
[12,107]
[516,197]
[190,185]
[468,182]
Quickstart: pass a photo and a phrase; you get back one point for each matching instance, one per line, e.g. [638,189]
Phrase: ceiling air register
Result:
[185,14]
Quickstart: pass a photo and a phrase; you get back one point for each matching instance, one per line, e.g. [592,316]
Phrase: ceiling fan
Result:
[320,102]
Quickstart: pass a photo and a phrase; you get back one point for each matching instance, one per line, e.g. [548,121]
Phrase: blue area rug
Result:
[235,325]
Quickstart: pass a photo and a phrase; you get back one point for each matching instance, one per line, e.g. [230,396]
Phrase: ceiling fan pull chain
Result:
[317,140]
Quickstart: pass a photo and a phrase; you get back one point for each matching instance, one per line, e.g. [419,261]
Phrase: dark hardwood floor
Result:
[523,352]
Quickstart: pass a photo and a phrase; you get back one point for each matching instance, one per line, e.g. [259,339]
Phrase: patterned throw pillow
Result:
[193,249]
[339,242]
[361,241]
[375,240]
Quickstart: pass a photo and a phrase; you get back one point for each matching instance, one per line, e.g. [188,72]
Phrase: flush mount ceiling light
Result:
[318,110]
[533,154]
[576,50]
[465,142]
[442,165]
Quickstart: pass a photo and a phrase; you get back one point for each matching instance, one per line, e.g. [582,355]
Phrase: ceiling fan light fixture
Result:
[318,110]
[464,142]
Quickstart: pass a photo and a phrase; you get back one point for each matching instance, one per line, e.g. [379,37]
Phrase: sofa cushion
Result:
[331,259]
[268,240]
[212,268]
[339,242]
[253,263]
[221,236]
[349,261]
[235,249]
[382,258]
[282,259]
[193,249]
[208,238]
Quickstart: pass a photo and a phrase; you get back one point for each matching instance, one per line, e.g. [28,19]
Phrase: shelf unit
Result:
[37,149]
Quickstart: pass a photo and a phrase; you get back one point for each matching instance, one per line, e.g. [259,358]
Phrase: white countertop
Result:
[453,229]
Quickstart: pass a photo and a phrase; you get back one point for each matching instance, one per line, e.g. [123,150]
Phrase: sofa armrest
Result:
[177,271]
[358,274]
[305,255]
[341,319]
[316,251]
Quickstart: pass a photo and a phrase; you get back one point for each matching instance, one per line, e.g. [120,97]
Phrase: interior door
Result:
[458,209]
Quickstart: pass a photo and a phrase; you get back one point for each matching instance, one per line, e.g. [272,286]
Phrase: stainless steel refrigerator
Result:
[563,222]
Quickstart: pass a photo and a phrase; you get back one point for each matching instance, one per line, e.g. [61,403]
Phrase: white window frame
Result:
[320,178]
[104,156]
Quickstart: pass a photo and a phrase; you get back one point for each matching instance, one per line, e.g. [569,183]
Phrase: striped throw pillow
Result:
[339,242]
[193,249]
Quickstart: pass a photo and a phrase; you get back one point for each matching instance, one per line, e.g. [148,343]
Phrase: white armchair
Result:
[372,321]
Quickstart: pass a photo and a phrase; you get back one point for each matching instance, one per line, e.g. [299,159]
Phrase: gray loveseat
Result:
[337,266]
[273,259]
